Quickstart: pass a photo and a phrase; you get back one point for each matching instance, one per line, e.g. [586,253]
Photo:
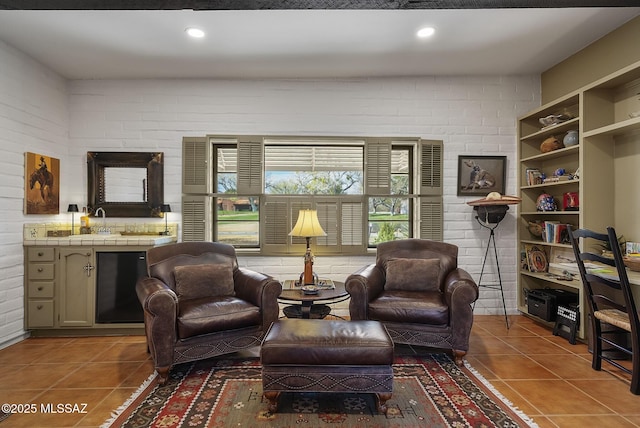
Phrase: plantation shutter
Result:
[250,154]
[276,223]
[342,220]
[377,167]
[431,167]
[196,165]
[328,217]
[280,215]
[196,218]
[431,218]
[351,225]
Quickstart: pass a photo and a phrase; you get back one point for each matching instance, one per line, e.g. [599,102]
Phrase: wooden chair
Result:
[610,301]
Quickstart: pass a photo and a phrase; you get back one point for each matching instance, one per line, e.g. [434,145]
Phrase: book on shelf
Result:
[555,232]
[533,176]
[556,179]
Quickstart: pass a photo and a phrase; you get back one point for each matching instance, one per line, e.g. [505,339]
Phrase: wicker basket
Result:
[633,263]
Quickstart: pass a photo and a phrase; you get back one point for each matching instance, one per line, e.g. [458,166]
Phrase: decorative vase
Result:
[571,139]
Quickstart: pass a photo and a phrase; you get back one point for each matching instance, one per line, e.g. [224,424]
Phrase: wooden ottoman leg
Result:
[272,400]
[381,401]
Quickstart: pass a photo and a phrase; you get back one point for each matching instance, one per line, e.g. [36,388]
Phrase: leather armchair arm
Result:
[363,285]
[160,305]
[460,292]
[460,286]
[261,290]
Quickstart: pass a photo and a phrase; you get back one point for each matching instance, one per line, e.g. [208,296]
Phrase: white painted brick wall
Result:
[33,118]
[471,114]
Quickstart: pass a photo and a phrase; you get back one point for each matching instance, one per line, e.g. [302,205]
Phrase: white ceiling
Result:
[89,44]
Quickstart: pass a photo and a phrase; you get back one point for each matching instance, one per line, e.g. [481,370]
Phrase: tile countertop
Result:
[146,234]
[95,239]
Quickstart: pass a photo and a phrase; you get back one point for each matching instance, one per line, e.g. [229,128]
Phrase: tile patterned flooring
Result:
[543,375]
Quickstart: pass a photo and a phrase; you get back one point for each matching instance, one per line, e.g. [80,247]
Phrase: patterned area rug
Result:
[429,391]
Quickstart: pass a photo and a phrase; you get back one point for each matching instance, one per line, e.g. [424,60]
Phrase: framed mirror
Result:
[125,184]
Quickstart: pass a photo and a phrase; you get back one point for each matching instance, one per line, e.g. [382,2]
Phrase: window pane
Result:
[226,179]
[227,159]
[400,161]
[388,209]
[238,221]
[399,184]
[389,219]
[313,170]
[383,231]
[227,183]
[400,171]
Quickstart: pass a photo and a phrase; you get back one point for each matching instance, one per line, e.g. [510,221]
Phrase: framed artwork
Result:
[480,175]
[42,184]
[537,258]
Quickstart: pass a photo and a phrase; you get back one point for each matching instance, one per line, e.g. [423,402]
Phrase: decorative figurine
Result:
[551,144]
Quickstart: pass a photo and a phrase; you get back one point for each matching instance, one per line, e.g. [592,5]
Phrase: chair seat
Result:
[420,307]
[614,317]
[212,314]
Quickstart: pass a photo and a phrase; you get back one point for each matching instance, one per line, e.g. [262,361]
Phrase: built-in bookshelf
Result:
[598,187]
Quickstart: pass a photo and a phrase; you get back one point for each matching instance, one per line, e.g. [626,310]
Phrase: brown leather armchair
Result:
[198,303]
[417,291]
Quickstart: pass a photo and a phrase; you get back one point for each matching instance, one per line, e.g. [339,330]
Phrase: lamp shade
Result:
[165,208]
[307,225]
[73,208]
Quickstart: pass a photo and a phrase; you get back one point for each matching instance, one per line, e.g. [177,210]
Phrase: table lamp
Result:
[73,208]
[307,227]
[165,208]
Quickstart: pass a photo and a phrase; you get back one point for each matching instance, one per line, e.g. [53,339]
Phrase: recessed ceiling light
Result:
[425,32]
[195,32]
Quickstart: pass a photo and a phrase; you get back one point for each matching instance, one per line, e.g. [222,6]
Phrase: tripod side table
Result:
[489,213]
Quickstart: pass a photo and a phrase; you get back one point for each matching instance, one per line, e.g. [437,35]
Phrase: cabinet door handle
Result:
[88,268]
[40,288]
[40,269]
[39,307]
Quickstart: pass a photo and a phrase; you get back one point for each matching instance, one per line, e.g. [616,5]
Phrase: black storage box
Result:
[544,303]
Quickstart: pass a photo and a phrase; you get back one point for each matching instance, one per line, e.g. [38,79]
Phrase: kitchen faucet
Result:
[104,228]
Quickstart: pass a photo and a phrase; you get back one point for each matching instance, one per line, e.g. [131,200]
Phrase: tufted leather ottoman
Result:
[307,355]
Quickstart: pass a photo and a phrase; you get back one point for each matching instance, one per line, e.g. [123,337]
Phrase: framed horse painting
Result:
[42,184]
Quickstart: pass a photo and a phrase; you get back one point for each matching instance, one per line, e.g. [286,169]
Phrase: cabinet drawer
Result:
[40,271]
[40,289]
[40,313]
[41,254]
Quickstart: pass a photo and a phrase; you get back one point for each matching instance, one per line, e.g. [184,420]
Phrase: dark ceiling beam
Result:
[302,4]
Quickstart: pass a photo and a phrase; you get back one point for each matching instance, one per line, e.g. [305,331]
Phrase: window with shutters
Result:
[390,216]
[237,216]
[366,191]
